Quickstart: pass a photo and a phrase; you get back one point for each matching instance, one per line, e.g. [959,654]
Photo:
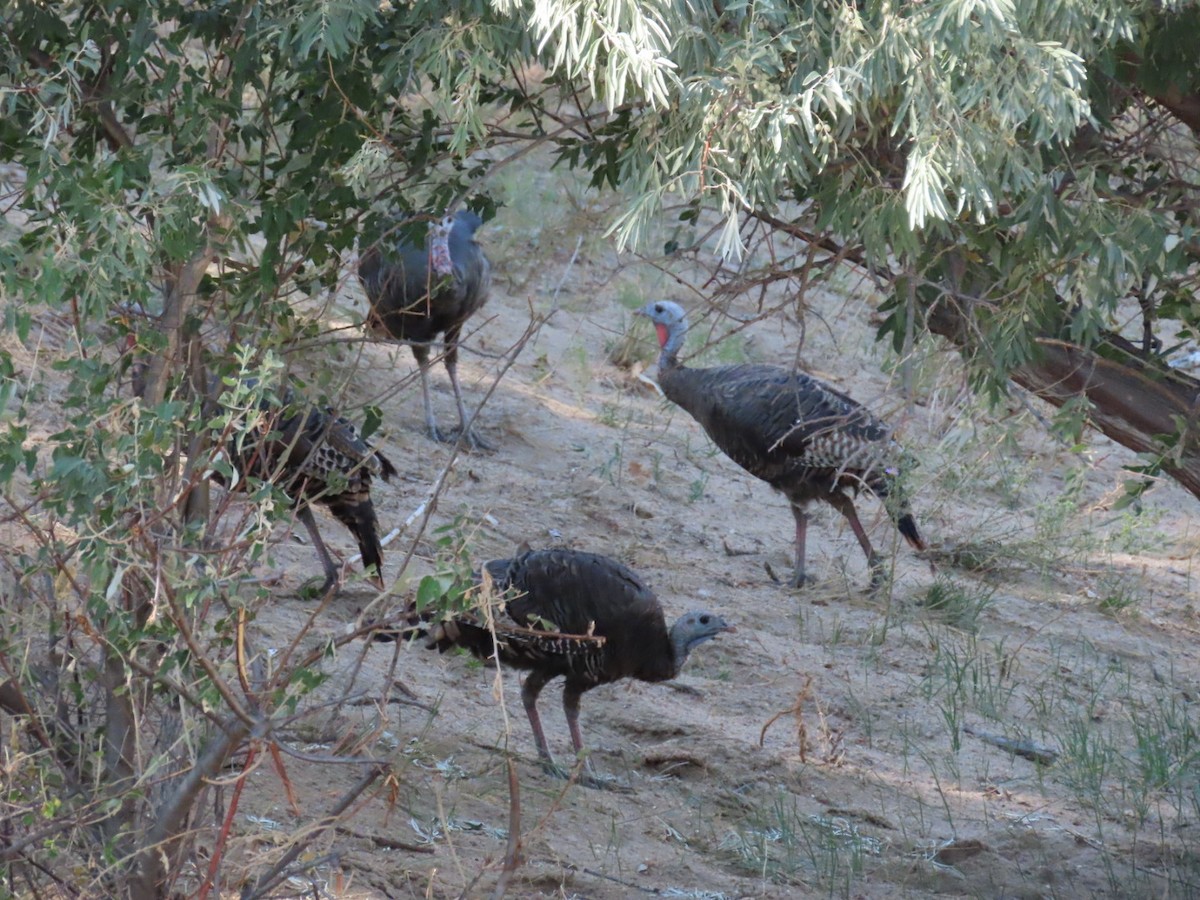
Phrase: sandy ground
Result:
[828,754]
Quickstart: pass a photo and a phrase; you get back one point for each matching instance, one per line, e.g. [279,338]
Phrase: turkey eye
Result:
[704,620]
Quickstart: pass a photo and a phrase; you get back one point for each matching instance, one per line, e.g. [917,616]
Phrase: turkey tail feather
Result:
[387,471]
[908,528]
[514,645]
[896,501]
[358,515]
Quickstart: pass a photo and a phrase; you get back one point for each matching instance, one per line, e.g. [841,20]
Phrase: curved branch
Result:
[1133,402]
[1183,106]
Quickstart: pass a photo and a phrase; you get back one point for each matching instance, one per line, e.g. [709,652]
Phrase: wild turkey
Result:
[798,434]
[580,615]
[418,293]
[315,456]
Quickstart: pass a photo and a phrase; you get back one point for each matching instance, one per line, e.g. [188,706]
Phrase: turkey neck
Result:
[680,648]
[670,339]
[460,241]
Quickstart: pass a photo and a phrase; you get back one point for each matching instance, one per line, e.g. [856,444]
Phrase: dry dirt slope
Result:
[1079,634]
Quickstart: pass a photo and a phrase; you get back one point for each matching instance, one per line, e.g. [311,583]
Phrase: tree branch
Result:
[1185,107]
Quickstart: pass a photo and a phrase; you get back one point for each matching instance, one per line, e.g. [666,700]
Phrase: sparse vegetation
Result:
[781,843]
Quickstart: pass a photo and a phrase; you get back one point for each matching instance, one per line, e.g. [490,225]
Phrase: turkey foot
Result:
[588,777]
[598,782]
[471,440]
[880,575]
[798,579]
[802,580]
[316,588]
[270,579]
[554,770]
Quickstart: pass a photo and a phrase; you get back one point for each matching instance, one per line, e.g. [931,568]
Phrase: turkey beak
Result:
[729,629]
[641,312]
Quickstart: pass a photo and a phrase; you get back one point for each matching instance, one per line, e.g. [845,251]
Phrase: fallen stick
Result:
[416,513]
[1043,756]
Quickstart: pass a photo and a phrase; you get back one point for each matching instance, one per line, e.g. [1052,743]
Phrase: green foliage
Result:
[450,588]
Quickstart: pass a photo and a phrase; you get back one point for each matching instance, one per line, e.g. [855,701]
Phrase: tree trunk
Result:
[1135,402]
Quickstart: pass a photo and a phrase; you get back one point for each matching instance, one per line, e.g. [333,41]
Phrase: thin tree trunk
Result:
[196,507]
[156,853]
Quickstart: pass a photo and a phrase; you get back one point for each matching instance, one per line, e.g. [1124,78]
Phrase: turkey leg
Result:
[589,777]
[421,353]
[472,439]
[304,514]
[845,506]
[799,578]
[534,682]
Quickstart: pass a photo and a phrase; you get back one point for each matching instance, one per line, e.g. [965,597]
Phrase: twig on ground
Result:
[1043,756]
[278,871]
[386,843]
[571,867]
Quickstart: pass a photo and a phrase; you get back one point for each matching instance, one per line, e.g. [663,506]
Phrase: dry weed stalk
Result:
[797,709]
